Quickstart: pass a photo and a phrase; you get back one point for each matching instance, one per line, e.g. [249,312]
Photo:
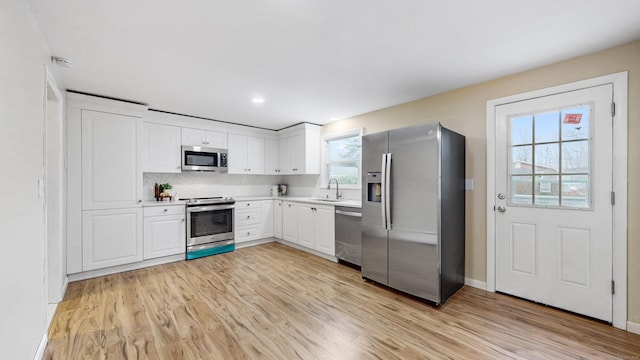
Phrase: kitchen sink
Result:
[326,200]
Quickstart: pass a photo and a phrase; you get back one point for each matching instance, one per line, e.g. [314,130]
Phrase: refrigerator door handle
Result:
[387,186]
[383,194]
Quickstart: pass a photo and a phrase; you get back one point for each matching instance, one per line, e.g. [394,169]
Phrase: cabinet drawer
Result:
[240,205]
[247,217]
[164,210]
[246,233]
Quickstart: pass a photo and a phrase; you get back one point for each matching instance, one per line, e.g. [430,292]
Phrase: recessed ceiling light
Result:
[257,100]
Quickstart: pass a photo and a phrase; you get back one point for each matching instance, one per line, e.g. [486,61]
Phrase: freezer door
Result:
[415,197]
[374,235]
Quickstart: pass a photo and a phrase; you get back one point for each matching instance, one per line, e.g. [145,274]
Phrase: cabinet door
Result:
[296,154]
[271,158]
[325,229]
[193,137]
[164,235]
[290,221]
[283,157]
[111,237]
[215,139]
[237,162]
[161,148]
[111,160]
[277,218]
[255,155]
[266,219]
[306,225]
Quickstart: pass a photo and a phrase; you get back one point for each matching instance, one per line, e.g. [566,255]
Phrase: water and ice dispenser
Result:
[374,186]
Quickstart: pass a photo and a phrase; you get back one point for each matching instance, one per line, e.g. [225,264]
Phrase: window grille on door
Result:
[550,160]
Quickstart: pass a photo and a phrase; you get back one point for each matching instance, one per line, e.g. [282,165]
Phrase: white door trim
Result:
[620,97]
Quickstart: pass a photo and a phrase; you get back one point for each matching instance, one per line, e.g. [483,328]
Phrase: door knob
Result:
[501,196]
[502,209]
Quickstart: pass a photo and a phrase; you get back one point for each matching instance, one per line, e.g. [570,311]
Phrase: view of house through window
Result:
[342,158]
[550,158]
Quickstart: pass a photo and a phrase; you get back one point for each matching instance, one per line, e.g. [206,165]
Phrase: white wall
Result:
[22,240]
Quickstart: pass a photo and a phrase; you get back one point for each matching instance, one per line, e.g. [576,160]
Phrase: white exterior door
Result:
[554,214]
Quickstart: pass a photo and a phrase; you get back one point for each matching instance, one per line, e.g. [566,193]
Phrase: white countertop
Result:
[162,203]
[304,199]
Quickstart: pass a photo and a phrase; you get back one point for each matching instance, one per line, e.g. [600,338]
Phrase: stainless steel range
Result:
[209,226]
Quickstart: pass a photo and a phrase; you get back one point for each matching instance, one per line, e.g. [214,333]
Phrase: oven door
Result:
[210,223]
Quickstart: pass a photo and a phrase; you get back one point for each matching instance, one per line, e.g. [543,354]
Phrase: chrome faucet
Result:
[337,187]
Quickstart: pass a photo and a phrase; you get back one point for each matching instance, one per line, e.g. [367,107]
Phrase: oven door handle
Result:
[193,209]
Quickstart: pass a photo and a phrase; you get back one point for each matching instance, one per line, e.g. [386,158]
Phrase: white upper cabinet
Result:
[283,157]
[271,157]
[300,152]
[161,148]
[204,138]
[246,155]
[111,160]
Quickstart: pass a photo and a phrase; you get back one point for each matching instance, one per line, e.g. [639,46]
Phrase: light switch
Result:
[468,184]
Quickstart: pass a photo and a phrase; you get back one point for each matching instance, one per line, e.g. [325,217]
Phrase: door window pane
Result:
[547,159]
[576,123]
[575,157]
[575,191]
[521,190]
[547,127]
[547,190]
[522,159]
[522,130]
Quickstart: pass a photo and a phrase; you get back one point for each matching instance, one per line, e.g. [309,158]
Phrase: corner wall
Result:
[464,111]
[22,220]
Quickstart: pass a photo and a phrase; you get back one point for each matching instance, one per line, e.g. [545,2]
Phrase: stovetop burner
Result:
[208,200]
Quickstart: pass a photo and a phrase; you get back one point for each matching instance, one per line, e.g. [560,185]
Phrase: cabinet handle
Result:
[182,220]
[139,201]
[165,210]
[248,216]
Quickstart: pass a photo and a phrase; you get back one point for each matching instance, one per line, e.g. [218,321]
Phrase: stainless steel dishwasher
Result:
[348,234]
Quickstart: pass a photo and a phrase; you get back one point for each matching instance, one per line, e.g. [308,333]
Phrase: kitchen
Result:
[467,119]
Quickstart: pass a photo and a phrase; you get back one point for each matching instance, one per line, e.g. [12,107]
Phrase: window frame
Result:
[324,157]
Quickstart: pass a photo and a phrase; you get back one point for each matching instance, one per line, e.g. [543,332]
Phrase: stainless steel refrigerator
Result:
[413,228]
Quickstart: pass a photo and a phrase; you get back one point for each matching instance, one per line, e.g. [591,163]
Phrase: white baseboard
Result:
[43,345]
[128,267]
[254,242]
[306,249]
[633,327]
[475,283]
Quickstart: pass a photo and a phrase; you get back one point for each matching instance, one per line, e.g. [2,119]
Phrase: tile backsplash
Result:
[203,184]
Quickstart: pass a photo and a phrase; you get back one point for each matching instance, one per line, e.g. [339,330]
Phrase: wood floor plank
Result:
[275,302]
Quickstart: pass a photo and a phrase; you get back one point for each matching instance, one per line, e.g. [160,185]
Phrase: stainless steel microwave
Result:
[198,158]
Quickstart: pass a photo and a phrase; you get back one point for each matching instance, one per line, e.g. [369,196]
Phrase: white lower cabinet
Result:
[111,237]
[316,227]
[164,231]
[290,221]
[277,219]
[247,221]
[266,218]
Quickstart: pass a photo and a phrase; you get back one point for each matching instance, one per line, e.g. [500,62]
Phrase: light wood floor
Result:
[275,302]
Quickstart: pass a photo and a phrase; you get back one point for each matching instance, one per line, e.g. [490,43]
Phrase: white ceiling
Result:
[314,60]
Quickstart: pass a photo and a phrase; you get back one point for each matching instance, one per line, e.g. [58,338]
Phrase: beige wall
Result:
[464,111]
